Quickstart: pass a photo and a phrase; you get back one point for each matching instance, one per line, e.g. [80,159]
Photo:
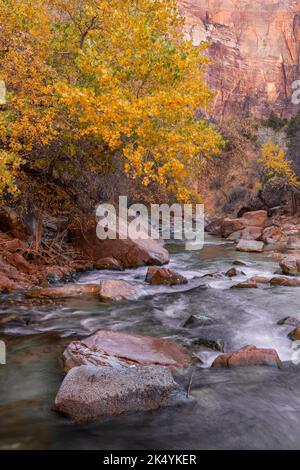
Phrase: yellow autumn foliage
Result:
[115,76]
[275,163]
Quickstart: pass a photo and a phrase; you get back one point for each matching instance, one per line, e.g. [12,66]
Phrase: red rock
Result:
[112,289]
[285,281]
[232,225]
[108,263]
[248,56]
[164,276]
[128,252]
[67,291]
[290,266]
[118,349]
[248,356]
[251,233]
[15,244]
[255,219]
[273,233]
[260,280]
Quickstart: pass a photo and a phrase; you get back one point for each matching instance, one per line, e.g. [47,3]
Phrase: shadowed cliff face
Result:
[255,48]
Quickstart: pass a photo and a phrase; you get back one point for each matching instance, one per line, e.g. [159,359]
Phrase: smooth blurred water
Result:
[245,408]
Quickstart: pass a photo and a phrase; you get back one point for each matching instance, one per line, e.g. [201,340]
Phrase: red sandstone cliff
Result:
[255,51]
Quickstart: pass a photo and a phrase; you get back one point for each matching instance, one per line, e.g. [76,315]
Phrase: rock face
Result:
[117,349]
[164,276]
[128,252]
[248,356]
[89,393]
[254,47]
[251,246]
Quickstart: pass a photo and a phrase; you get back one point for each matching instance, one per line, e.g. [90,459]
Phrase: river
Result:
[247,408]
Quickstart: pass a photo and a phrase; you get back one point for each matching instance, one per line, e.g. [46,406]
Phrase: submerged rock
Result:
[292,321]
[248,356]
[214,344]
[114,290]
[164,276]
[251,246]
[90,393]
[238,262]
[67,291]
[108,263]
[118,349]
[260,280]
[198,320]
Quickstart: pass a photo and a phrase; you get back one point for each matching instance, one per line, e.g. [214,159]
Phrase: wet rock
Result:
[164,276]
[290,266]
[230,226]
[118,349]
[67,291]
[198,320]
[255,218]
[239,263]
[292,321]
[128,252]
[214,344]
[250,246]
[90,393]
[248,356]
[114,290]
[232,272]
[295,334]
[285,281]
[215,227]
[108,263]
[249,284]
[260,279]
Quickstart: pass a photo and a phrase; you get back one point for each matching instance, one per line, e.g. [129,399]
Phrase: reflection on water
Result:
[253,408]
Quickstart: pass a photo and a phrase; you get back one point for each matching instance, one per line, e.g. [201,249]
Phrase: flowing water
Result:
[250,408]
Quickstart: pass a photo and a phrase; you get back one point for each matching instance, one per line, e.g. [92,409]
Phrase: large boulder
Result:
[251,233]
[255,218]
[230,226]
[90,393]
[215,227]
[67,291]
[290,266]
[250,246]
[118,349]
[272,234]
[248,356]
[164,276]
[128,252]
[113,290]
